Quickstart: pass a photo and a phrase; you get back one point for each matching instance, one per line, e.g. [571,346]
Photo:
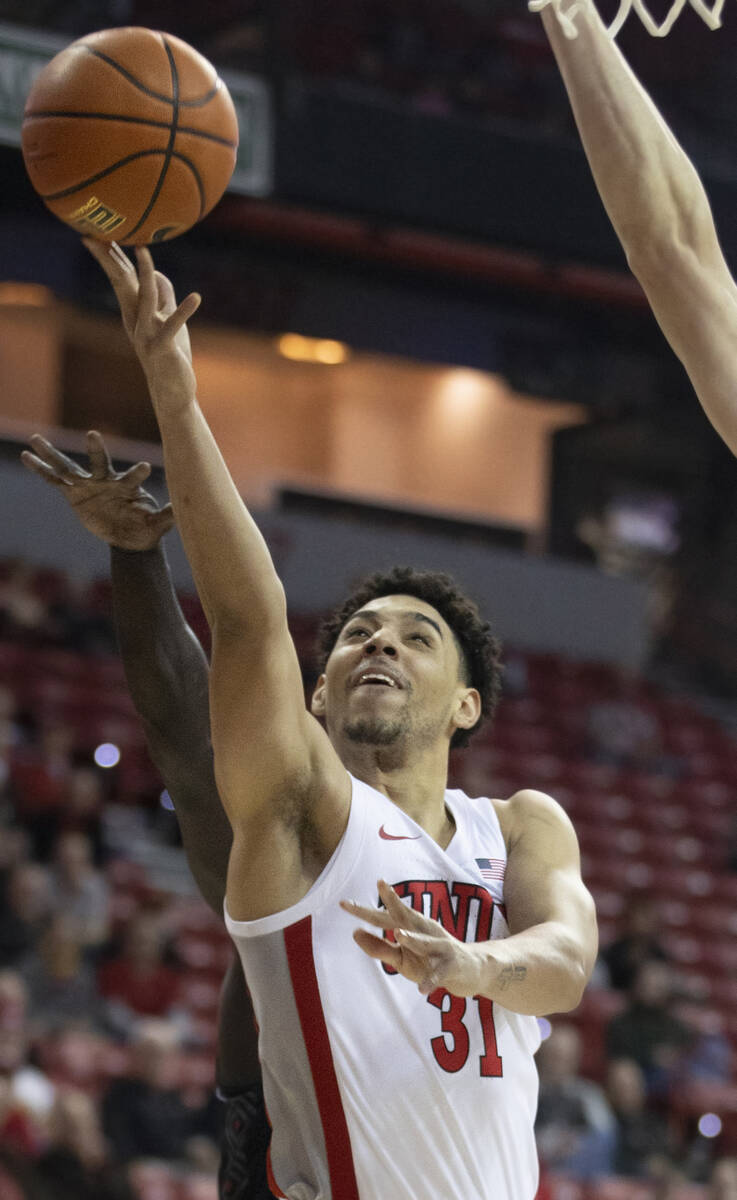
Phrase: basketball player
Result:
[167,674]
[399,1061]
[659,211]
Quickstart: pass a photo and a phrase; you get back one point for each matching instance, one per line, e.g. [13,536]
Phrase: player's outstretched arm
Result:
[659,210]
[256,693]
[165,667]
[545,963]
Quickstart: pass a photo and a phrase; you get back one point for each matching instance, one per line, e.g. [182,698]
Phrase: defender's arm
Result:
[167,675]
[659,210]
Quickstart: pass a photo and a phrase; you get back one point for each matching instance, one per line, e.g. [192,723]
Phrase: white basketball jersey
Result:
[374,1091]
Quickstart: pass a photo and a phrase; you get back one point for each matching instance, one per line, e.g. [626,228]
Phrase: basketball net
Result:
[712,16]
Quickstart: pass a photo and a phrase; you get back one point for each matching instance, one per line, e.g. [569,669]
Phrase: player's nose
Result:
[381,643]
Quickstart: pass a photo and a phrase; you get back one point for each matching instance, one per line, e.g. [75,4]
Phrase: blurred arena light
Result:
[317,350]
[545,1028]
[14,294]
[107,754]
[710,1125]
[166,801]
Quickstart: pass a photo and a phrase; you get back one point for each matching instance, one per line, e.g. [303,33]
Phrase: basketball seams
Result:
[194,102]
[172,139]
[148,121]
[197,177]
[121,162]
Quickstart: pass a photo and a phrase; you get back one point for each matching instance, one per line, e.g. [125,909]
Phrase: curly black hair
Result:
[480,651]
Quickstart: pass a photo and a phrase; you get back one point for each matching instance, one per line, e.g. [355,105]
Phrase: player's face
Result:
[394,673]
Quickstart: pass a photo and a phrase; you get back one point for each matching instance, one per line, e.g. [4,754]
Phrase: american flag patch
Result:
[491,868]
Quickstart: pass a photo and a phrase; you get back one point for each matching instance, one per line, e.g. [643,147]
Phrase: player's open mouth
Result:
[378,679]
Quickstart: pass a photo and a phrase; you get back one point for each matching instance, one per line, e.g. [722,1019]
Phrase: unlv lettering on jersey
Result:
[463,909]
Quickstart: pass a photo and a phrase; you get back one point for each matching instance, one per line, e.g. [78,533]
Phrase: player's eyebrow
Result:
[365,614]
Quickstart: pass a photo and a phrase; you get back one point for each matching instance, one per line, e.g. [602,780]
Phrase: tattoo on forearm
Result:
[510,975]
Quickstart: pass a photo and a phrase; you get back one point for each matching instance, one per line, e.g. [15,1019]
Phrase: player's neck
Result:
[416,784]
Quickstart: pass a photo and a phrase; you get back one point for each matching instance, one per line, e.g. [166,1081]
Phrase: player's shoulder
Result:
[525,806]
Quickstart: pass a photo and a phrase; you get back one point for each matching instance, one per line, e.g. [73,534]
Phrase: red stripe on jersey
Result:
[273,1185]
[298,945]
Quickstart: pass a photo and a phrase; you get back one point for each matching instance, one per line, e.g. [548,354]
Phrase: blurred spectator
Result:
[83,806]
[27,1095]
[80,891]
[575,1127]
[623,731]
[40,776]
[138,982]
[25,912]
[723,1181]
[637,942]
[13,1001]
[61,985]
[144,1115]
[710,1058]
[77,622]
[75,1165]
[14,850]
[648,1031]
[643,1142]
[24,616]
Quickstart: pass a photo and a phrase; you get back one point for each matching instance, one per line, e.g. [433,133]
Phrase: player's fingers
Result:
[97,452]
[147,290]
[373,916]
[377,947]
[135,476]
[403,915]
[181,315]
[42,469]
[167,301]
[66,467]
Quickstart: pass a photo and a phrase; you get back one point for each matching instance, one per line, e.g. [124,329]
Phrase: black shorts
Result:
[243,1146]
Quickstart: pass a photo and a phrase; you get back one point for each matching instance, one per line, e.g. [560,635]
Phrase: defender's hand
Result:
[424,952]
[109,503]
[155,324]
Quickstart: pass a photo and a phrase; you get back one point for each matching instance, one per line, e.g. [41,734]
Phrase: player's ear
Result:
[317,705]
[468,708]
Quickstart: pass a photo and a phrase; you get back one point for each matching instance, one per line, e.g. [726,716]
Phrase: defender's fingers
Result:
[163,520]
[135,476]
[97,452]
[63,465]
[167,301]
[373,916]
[147,288]
[42,469]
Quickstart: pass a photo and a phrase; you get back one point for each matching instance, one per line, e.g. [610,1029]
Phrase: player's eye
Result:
[420,637]
[357,630]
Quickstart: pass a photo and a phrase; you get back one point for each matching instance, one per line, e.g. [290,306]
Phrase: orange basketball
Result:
[130,136]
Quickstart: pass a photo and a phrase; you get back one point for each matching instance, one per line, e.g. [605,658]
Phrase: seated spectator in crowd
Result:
[138,982]
[643,1143]
[575,1127]
[40,776]
[637,942]
[24,615]
[27,1095]
[80,891]
[723,1180]
[648,1031]
[144,1115]
[25,912]
[624,731]
[75,1165]
[82,808]
[710,1058]
[61,985]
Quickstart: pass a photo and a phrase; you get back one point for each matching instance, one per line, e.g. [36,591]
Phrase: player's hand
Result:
[109,503]
[423,951]
[155,324]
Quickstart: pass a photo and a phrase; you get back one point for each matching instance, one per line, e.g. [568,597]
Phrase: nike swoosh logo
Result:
[398,837]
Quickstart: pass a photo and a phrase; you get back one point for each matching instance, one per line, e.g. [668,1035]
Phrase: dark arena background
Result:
[419,342]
